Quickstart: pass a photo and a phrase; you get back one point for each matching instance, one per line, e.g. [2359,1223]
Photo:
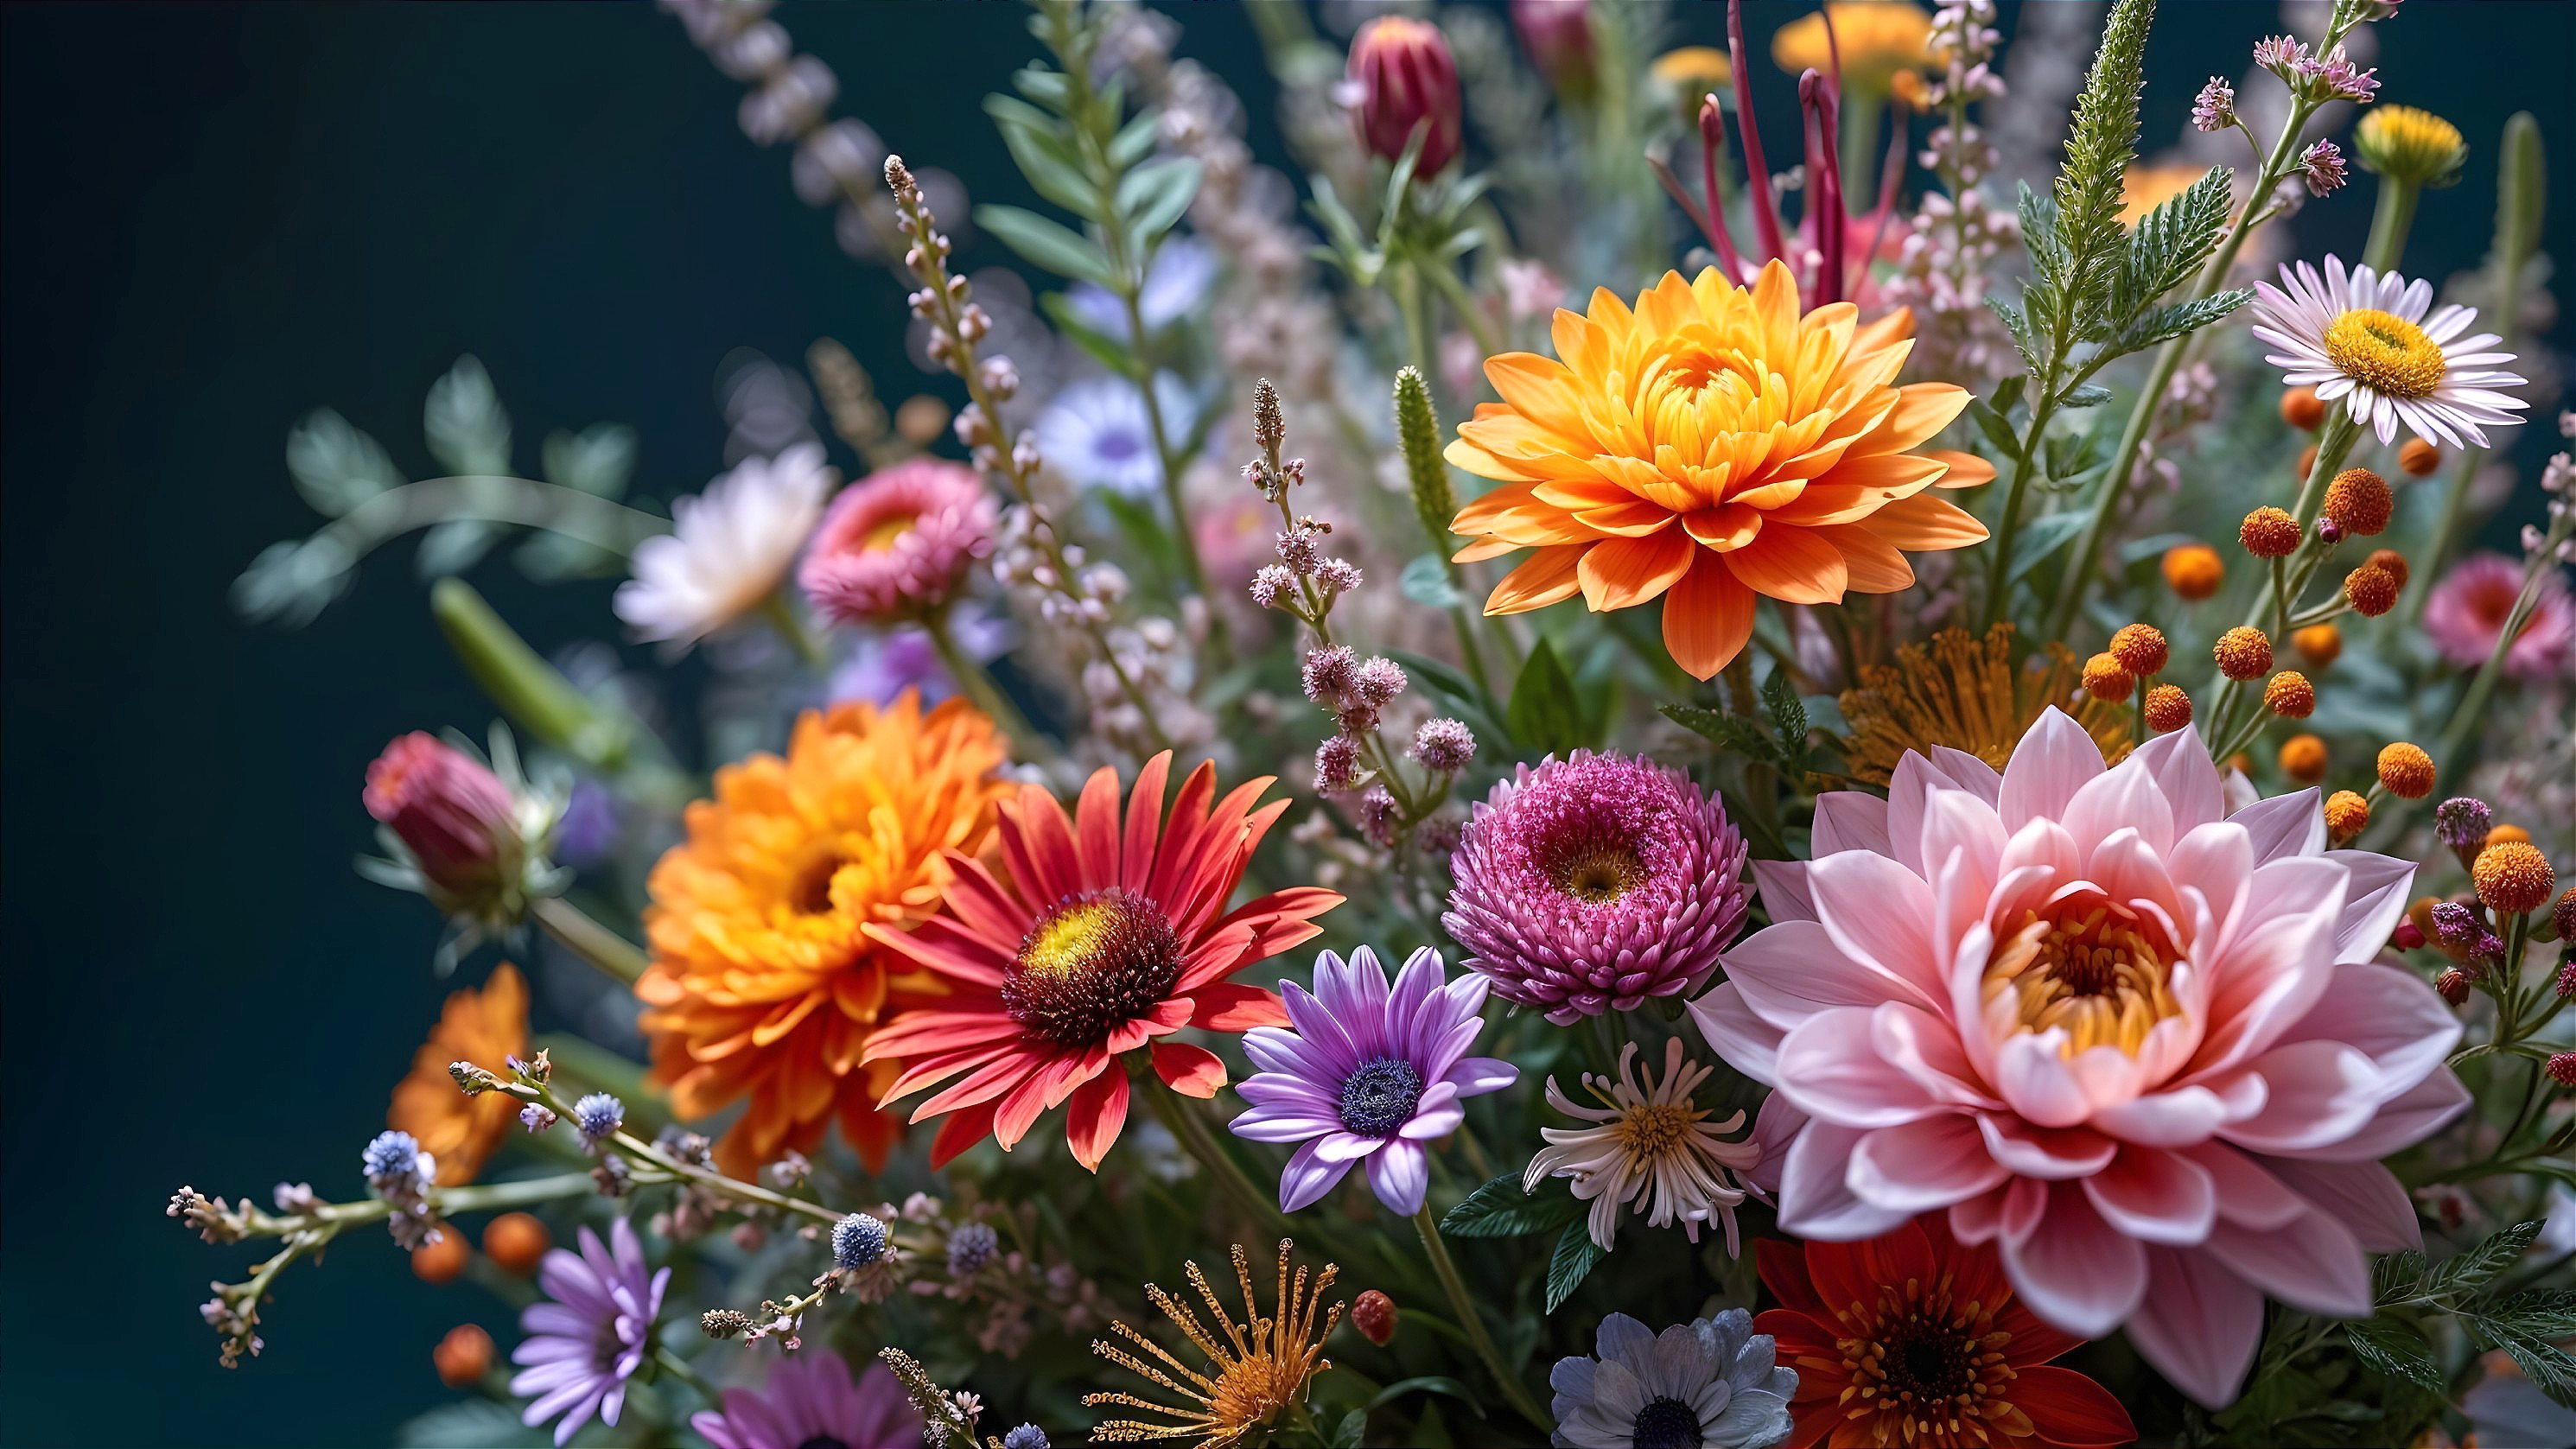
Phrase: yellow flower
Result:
[1964,693]
[1877,39]
[487,1028]
[1260,1366]
[1709,446]
[2144,188]
[1690,73]
[2403,143]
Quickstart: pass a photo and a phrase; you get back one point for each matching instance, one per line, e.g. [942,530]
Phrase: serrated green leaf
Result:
[2085,395]
[1542,713]
[2017,326]
[2007,394]
[1500,1209]
[2548,1366]
[335,465]
[2391,1348]
[465,427]
[1732,731]
[1576,1255]
[2397,1277]
[2099,146]
[2473,1269]
[2169,243]
[1155,195]
[2163,324]
[1996,427]
[1788,720]
[1046,244]
[2541,1312]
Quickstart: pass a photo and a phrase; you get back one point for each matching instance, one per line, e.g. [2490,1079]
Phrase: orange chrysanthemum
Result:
[487,1028]
[766,975]
[1108,935]
[1709,446]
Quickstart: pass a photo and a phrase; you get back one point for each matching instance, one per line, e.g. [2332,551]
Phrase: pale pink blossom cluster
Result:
[1956,233]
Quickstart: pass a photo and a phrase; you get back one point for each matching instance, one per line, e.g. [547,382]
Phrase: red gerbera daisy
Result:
[1915,1340]
[1105,937]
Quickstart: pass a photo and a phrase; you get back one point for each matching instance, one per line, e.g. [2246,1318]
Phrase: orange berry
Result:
[2105,679]
[2391,560]
[2406,770]
[2241,762]
[441,1260]
[2346,814]
[2140,648]
[2289,695]
[2303,758]
[2506,834]
[516,1242]
[921,419]
[2419,457]
[2421,913]
[2371,589]
[2359,500]
[2302,408]
[463,1356]
[2194,570]
[2269,532]
[2513,877]
[2307,461]
[2243,652]
[2318,644]
[2168,708]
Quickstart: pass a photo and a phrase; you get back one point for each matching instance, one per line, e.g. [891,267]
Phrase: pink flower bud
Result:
[448,809]
[1558,36]
[1405,77]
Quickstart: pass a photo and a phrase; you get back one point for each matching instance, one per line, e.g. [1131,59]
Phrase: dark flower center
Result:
[1597,873]
[1092,963]
[1666,1424]
[1118,446]
[1380,1097]
[822,1441]
[811,894]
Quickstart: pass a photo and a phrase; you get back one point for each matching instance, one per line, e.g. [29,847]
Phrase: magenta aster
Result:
[810,1399]
[895,544]
[1365,1073]
[1593,883]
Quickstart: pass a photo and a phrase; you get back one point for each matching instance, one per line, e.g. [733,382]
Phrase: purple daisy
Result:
[1592,883]
[810,1400]
[1367,1072]
[584,1345]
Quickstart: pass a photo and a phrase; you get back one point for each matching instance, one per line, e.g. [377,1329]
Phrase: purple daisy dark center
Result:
[1380,1097]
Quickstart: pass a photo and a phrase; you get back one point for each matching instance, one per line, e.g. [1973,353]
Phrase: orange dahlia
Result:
[1916,1339]
[767,922]
[1105,936]
[1711,445]
[487,1028]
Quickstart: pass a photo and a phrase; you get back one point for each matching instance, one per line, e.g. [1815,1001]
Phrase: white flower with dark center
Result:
[1708,1384]
[1650,1147]
[728,547]
[2365,338]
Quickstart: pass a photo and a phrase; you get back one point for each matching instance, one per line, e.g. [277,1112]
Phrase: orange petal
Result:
[1708,616]
[1875,565]
[1540,389]
[1924,524]
[1546,577]
[1628,571]
[1724,528]
[1924,408]
[1792,565]
[1967,470]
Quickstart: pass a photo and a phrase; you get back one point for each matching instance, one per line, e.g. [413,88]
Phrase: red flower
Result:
[1915,1340]
[1105,937]
[1406,80]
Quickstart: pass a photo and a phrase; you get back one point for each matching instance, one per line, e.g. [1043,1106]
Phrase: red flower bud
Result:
[2408,938]
[1373,1314]
[1406,76]
[1557,34]
[449,810]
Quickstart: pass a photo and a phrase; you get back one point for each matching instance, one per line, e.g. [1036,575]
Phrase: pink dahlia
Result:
[2468,608]
[895,543]
[2138,1044]
[1594,882]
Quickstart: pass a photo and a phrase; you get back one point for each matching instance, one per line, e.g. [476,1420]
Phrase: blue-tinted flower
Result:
[857,1241]
[592,1334]
[1096,433]
[1176,282]
[598,1115]
[1707,1384]
[1367,1073]
[1027,1436]
[970,1248]
[394,1161]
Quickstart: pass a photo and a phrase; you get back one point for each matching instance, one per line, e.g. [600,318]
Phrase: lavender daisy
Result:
[1367,1073]
[584,1344]
[810,1399]
[1095,432]
[1592,883]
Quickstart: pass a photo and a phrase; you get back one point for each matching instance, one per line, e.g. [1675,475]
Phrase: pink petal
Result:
[2035,1081]
[2373,903]
[2044,1153]
[2199,1324]
[1923,1165]
[1783,887]
[2155,1196]
[2180,765]
[2074,1269]
[2250,1195]
[2315,1264]
[2054,760]
[1850,820]
[1830,1069]
[1881,913]
[2390,1015]
[1968,773]
[2420,1112]
[1791,971]
[1815,1200]
[2363,1196]
[2125,798]
[2284,826]
[1740,1038]
[2320,1093]
[2177,1118]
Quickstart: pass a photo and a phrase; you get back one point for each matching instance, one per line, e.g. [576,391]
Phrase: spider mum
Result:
[1648,1145]
[1962,692]
[1708,446]
[2364,336]
[1255,1368]
[1105,936]
[767,923]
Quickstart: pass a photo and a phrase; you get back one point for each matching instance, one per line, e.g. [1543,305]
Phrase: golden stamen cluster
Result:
[2303,758]
[2359,501]
[2269,532]
[2406,770]
[1966,693]
[2289,695]
[2140,648]
[2243,652]
[2409,144]
[1258,1367]
[2390,560]
[2512,877]
[2105,679]
[2347,814]
[2371,590]
[2168,708]
[2194,571]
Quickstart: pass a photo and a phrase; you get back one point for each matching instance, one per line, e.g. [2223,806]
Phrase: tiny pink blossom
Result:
[2215,107]
[2323,163]
[895,544]
[2467,611]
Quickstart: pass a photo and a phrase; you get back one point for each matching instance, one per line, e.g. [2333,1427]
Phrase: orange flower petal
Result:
[1547,577]
[1708,616]
[1628,571]
[1874,564]
[1792,565]
[1925,525]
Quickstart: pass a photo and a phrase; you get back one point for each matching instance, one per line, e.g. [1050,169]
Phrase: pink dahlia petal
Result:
[1879,913]
[2122,799]
[2044,1154]
[2285,825]
[2155,1196]
[2053,761]
[2177,1118]
[1790,972]
[1923,1165]
[2184,774]
[1831,1069]
[2373,902]
[2318,1093]
[2387,1013]
[1783,886]
[2073,1267]
[2421,1111]
[2363,1196]
[1739,1035]
[2315,1264]
[2199,1325]
[2250,1193]
[1850,820]
[1813,1177]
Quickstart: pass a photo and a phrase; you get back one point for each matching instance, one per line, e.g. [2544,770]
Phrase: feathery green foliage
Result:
[2098,151]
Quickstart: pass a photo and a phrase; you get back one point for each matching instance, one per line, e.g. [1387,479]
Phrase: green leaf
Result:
[2168,245]
[2542,1312]
[2548,1366]
[1428,1384]
[1426,582]
[1543,714]
[1997,428]
[2392,1349]
[2085,395]
[1732,731]
[1353,1429]
[598,460]
[1576,1254]
[1788,720]
[466,429]
[1500,1209]
[2099,146]
[1106,350]
[1048,88]
[1045,155]
[1135,140]
[2473,1269]
[1047,244]
[2044,536]
[2018,327]
[337,467]
[2006,395]
[2397,1277]
[1153,196]
[2163,324]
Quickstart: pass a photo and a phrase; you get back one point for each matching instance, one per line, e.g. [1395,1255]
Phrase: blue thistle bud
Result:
[598,1115]
[857,1241]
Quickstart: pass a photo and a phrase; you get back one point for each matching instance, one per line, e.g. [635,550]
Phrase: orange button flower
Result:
[1706,447]
[764,979]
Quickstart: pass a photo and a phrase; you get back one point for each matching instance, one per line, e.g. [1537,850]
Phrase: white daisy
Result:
[1096,434]
[2365,338]
[1652,1147]
[728,547]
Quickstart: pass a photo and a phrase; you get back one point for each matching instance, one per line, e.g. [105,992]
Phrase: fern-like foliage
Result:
[2098,150]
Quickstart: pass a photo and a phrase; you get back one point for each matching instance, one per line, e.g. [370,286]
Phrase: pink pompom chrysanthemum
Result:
[2137,1043]
[2467,610]
[895,544]
[1594,883]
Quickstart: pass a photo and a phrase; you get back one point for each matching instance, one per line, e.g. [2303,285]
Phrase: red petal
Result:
[1188,1070]
[1232,1006]
[1093,1119]
[1095,829]
[1783,1266]
[986,905]
[1177,851]
[2068,1408]
[1019,1110]
[986,1082]
[961,1131]
[1144,823]
[1048,837]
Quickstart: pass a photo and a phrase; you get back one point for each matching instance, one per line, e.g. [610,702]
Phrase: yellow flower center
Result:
[2390,354]
[1096,961]
[2101,973]
[1601,874]
[885,531]
[1651,1132]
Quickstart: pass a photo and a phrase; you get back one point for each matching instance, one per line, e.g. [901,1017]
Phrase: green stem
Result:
[1408,302]
[2446,528]
[1471,1320]
[674,1366]
[573,928]
[2333,446]
[2390,223]
[1192,1134]
[978,684]
[2009,525]
[782,617]
[1463,303]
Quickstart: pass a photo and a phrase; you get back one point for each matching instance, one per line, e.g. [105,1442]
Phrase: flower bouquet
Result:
[1747,853]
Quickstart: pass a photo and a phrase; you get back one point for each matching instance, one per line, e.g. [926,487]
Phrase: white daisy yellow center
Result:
[2388,353]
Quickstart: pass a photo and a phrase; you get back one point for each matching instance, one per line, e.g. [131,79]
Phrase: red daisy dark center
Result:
[1930,1368]
[1092,962]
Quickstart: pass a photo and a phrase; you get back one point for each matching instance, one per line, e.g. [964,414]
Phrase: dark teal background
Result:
[217,219]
